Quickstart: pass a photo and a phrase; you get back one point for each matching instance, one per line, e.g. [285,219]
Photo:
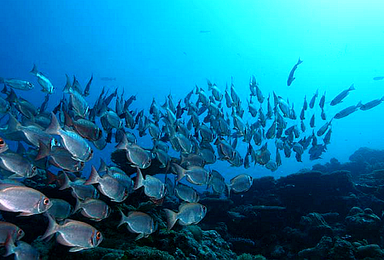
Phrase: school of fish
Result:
[205,126]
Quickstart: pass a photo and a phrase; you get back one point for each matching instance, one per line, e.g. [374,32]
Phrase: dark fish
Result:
[291,77]
[378,78]
[339,98]
[347,111]
[313,99]
[372,104]
[86,90]
[108,79]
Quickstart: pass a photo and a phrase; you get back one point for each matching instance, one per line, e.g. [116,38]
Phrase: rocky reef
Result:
[333,211]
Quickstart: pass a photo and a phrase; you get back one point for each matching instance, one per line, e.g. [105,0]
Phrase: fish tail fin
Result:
[352,87]
[103,166]
[123,143]
[299,61]
[9,245]
[13,124]
[229,190]
[52,227]
[123,218]
[68,86]
[382,99]
[51,177]
[54,127]
[68,119]
[180,171]
[78,205]
[139,182]
[360,104]
[44,151]
[93,178]
[66,184]
[34,70]
[171,218]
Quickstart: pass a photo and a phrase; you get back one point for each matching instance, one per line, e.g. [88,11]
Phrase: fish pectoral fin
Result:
[24,214]
[139,236]
[76,249]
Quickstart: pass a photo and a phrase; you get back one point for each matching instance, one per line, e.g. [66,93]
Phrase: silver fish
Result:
[240,183]
[135,154]
[17,164]
[74,143]
[194,174]
[60,209]
[75,234]
[94,209]
[189,213]
[108,186]
[44,82]
[26,200]
[79,190]
[139,223]
[153,187]
[14,231]
[22,250]
[17,83]
[186,193]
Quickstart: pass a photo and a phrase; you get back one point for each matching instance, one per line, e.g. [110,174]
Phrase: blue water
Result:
[154,48]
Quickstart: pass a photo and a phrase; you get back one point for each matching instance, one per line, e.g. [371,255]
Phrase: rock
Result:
[372,251]
[315,226]
[319,252]
[363,224]
[342,250]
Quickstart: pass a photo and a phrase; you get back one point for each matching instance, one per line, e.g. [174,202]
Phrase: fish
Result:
[291,76]
[21,250]
[74,143]
[153,187]
[339,98]
[186,193]
[108,186]
[194,174]
[75,234]
[87,87]
[79,189]
[60,209]
[189,213]
[135,154]
[44,82]
[378,78]
[139,223]
[9,229]
[347,111]
[240,183]
[22,199]
[313,99]
[371,104]
[322,101]
[93,209]
[59,157]
[17,83]
[108,79]
[17,164]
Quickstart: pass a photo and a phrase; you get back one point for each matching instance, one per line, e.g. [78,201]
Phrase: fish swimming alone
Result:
[291,76]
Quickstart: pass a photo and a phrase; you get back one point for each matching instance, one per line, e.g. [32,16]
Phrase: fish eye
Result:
[46,201]
[98,235]
[1,141]
[81,164]
[34,168]
[20,232]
